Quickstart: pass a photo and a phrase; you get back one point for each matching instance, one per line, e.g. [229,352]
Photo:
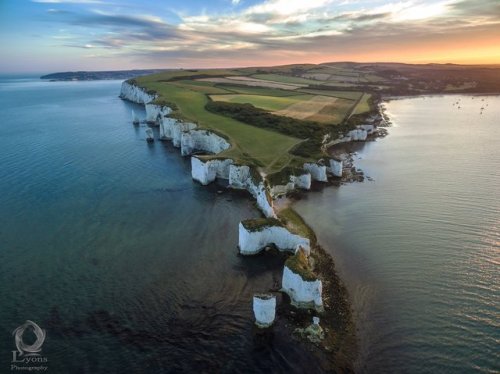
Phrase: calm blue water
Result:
[419,247]
[106,242]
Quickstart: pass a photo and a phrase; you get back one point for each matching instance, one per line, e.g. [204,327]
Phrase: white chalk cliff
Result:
[370,129]
[303,293]
[357,134]
[135,94]
[206,171]
[241,178]
[155,113]
[317,171]
[360,133]
[302,181]
[252,242]
[202,140]
[336,167]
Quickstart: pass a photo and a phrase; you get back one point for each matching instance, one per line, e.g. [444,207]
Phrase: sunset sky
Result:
[62,35]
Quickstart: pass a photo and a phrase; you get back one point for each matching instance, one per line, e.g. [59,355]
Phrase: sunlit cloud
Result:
[267,32]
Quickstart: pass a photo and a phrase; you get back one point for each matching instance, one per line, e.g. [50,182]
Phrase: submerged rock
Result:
[135,118]
[314,332]
[149,135]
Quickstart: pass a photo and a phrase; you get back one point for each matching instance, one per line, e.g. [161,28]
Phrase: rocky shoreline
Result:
[310,286]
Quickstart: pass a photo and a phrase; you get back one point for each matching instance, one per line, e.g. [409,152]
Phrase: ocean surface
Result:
[419,246]
[108,245]
[129,266]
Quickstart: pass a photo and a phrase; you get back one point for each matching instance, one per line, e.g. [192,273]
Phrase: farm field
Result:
[284,79]
[253,83]
[204,87]
[335,112]
[248,90]
[363,105]
[317,76]
[320,108]
[271,103]
[349,95]
[307,108]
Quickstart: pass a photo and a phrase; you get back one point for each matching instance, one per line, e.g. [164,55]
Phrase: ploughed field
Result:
[273,117]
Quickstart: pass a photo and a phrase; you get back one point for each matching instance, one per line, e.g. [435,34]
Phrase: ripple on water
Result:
[419,247]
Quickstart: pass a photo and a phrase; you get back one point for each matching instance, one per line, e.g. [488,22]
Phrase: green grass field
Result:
[248,143]
[200,86]
[271,103]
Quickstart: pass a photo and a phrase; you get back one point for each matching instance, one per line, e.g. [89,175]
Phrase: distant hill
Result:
[99,75]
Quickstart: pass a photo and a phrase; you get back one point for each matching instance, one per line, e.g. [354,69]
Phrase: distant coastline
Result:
[99,75]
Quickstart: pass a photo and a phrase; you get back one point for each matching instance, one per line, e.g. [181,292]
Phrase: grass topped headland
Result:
[259,224]
[296,224]
[299,264]
[273,117]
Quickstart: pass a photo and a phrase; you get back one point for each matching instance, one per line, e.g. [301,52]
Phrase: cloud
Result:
[117,30]
[280,29]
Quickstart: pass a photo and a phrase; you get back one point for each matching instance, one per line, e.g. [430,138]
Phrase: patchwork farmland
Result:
[273,117]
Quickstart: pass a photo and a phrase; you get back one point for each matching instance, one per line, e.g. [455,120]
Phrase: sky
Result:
[64,35]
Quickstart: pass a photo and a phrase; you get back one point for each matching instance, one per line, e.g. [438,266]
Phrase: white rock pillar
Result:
[302,292]
[336,167]
[317,171]
[264,309]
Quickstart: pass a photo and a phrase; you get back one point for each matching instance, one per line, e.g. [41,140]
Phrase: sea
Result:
[418,243]
[128,265]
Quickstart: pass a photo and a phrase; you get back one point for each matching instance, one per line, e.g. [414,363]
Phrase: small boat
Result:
[135,119]
[149,135]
